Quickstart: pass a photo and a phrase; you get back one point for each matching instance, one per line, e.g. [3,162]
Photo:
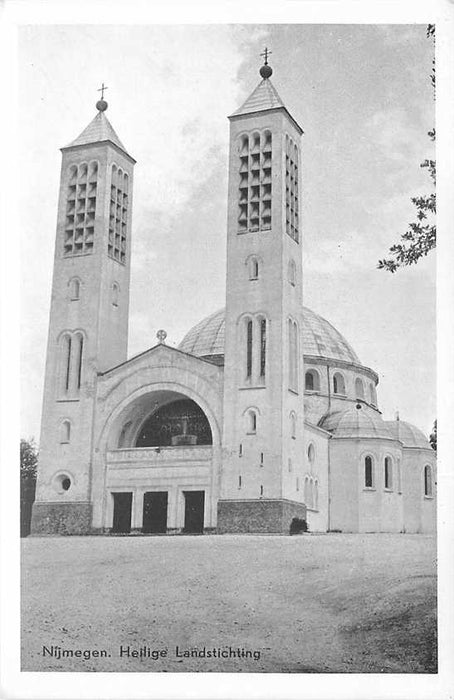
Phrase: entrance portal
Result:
[155,511]
[122,512]
[193,511]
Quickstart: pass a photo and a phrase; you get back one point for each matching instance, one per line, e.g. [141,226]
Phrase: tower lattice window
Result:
[291,189]
[254,196]
[80,209]
[118,218]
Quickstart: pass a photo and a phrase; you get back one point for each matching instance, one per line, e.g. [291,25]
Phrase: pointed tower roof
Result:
[99,129]
[264,97]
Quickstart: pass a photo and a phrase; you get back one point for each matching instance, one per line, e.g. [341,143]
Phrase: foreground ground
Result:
[309,604]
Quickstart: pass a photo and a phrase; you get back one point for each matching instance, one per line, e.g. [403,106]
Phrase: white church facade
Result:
[264,414]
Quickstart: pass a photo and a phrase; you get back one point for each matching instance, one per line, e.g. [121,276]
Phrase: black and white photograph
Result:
[228,351]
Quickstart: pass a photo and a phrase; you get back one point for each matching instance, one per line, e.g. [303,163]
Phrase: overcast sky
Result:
[363,97]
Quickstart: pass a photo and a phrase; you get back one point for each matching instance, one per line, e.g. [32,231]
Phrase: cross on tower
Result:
[101,90]
[265,55]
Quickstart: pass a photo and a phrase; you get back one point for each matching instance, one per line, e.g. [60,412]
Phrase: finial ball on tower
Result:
[101,105]
[266,71]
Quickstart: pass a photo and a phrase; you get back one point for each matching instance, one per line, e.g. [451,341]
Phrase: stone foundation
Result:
[61,518]
[258,516]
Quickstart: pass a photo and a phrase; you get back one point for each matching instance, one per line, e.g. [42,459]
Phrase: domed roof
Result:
[408,434]
[355,423]
[320,338]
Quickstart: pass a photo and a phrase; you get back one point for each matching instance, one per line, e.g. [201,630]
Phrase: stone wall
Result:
[61,518]
[258,516]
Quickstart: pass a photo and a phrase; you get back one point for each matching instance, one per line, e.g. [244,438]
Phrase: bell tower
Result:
[88,325]
[261,481]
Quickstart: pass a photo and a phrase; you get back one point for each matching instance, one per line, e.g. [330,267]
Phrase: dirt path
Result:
[318,603]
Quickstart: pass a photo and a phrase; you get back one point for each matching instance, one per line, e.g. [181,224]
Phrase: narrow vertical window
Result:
[239,482]
[65,432]
[261,459]
[315,495]
[428,491]
[79,361]
[388,473]
[368,475]
[74,289]
[249,350]
[262,347]
[261,490]
[399,476]
[67,346]
[115,292]
[240,450]
[297,483]
[293,355]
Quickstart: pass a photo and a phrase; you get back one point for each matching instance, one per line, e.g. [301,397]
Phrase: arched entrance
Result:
[159,465]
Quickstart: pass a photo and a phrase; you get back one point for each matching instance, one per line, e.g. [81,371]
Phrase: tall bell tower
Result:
[88,325]
[261,480]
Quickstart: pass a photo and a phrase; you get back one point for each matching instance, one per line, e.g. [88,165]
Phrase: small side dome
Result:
[408,434]
[355,423]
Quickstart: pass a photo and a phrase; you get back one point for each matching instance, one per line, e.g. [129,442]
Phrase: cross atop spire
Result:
[265,55]
[104,87]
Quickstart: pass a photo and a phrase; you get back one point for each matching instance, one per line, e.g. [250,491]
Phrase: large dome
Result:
[320,338]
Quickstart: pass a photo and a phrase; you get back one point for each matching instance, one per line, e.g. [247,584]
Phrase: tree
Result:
[433,437]
[420,237]
[28,464]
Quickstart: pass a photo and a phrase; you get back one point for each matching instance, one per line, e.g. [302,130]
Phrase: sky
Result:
[363,97]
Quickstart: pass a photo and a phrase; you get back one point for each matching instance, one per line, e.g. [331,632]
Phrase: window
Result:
[115,293]
[297,483]
[248,349]
[368,473]
[67,361]
[306,492]
[291,188]
[261,490]
[388,473]
[373,395]
[293,425]
[262,347]
[312,380]
[240,450]
[315,501]
[253,268]
[293,355]
[118,215]
[252,422]
[261,459]
[311,454]
[338,384]
[78,235]
[290,466]
[80,349]
[292,272]
[359,388]
[239,481]
[428,484]
[74,289]
[65,432]
[254,191]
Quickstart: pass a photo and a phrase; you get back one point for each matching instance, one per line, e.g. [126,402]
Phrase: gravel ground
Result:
[332,603]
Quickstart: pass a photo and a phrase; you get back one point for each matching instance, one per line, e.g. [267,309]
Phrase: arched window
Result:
[65,432]
[74,289]
[115,293]
[292,272]
[293,354]
[311,493]
[311,454]
[428,483]
[252,421]
[339,384]
[359,388]
[312,380]
[373,395]
[66,362]
[248,348]
[262,322]
[388,474]
[307,492]
[293,425]
[79,350]
[368,472]
[253,265]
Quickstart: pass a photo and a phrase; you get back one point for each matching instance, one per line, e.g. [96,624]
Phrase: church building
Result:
[263,414]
